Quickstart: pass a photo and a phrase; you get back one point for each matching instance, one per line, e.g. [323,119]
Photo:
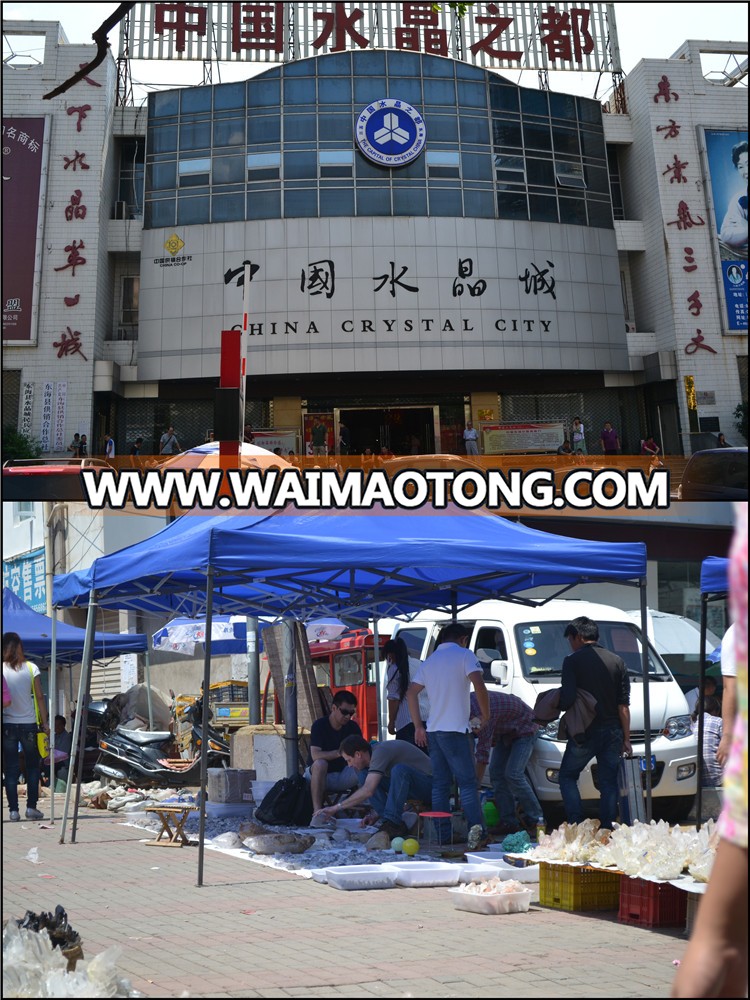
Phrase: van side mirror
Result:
[500,670]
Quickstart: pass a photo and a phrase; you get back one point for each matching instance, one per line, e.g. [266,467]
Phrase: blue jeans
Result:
[509,781]
[25,734]
[605,743]
[402,783]
[452,756]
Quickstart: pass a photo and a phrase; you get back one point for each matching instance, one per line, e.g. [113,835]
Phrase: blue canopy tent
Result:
[306,564]
[714,587]
[57,642]
[36,631]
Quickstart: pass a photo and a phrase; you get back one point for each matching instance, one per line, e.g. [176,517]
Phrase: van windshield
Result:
[542,647]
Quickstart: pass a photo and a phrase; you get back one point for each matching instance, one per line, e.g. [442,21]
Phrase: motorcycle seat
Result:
[142,736]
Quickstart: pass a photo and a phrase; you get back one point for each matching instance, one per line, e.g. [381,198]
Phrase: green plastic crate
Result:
[564,887]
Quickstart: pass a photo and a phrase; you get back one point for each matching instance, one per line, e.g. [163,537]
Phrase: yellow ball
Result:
[410,846]
[397,844]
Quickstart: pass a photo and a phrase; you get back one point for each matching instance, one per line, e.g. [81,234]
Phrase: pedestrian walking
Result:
[135,453]
[609,439]
[168,443]
[20,725]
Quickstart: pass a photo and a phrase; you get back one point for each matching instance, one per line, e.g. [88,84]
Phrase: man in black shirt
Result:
[603,674]
[326,768]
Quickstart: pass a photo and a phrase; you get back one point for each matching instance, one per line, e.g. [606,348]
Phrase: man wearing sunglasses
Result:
[327,770]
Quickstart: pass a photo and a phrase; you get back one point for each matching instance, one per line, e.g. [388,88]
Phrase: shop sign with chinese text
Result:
[554,36]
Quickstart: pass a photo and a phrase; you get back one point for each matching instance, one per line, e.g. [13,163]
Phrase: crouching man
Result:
[395,772]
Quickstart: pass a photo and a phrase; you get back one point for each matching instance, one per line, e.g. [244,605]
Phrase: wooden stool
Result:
[433,816]
[173,818]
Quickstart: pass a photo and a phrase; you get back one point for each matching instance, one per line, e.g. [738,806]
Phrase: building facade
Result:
[429,243]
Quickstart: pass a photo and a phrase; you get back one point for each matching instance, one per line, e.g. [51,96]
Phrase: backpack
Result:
[289,803]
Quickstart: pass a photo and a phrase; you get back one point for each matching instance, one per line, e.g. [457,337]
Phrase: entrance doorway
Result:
[405,430]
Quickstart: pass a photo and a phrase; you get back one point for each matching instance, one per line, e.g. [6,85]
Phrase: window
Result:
[23,510]
[132,167]
[414,639]
[618,205]
[570,175]
[347,669]
[336,162]
[511,169]
[443,163]
[128,325]
[263,166]
[194,173]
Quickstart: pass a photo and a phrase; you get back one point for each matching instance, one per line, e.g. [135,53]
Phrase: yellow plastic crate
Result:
[563,887]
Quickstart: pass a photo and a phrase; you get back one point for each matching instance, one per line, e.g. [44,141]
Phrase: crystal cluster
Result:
[647,850]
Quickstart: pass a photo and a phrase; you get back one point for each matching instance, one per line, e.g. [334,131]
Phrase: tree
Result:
[18,445]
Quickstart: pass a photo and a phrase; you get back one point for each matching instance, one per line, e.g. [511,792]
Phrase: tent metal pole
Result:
[148,693]
[204,721]
[78,742]
[290,698]
[52,712]
[454,606]
[253,672]
[646,693]
[376,665]
[700,707]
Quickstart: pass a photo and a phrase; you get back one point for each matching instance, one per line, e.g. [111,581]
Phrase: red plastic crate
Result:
[651,904]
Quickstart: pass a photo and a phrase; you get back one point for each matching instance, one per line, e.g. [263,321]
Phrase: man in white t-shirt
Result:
[448,676]
[729,695]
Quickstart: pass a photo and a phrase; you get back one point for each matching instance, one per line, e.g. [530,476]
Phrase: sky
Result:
[645,30]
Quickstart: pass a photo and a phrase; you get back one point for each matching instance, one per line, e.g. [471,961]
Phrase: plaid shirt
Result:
[713,772]
[509,718]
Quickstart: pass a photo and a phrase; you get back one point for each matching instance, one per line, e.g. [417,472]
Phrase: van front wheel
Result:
[672,808]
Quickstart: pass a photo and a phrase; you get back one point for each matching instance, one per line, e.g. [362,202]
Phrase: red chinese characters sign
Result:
[559,36]
[23,145]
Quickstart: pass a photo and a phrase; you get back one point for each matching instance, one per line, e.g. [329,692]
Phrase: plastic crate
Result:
[564,887]
[651,904]
[228,691]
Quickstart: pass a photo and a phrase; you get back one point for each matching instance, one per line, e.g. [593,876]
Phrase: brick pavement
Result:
[252,931]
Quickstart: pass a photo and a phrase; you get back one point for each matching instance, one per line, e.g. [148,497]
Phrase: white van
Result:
[521,650]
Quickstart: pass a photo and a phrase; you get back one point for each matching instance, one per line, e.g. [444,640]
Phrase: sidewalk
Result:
[253,931]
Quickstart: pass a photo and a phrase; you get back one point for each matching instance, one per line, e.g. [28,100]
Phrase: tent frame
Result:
[290,699]
[304,593]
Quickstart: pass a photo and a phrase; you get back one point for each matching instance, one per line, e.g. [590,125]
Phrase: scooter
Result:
[149,758]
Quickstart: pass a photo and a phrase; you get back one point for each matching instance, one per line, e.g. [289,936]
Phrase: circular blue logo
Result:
[391,133]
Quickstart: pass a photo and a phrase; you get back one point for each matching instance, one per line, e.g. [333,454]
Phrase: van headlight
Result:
[678,727]
[549,732]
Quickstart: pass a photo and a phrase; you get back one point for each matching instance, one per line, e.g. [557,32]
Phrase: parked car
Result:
[521,650]
[715,474]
